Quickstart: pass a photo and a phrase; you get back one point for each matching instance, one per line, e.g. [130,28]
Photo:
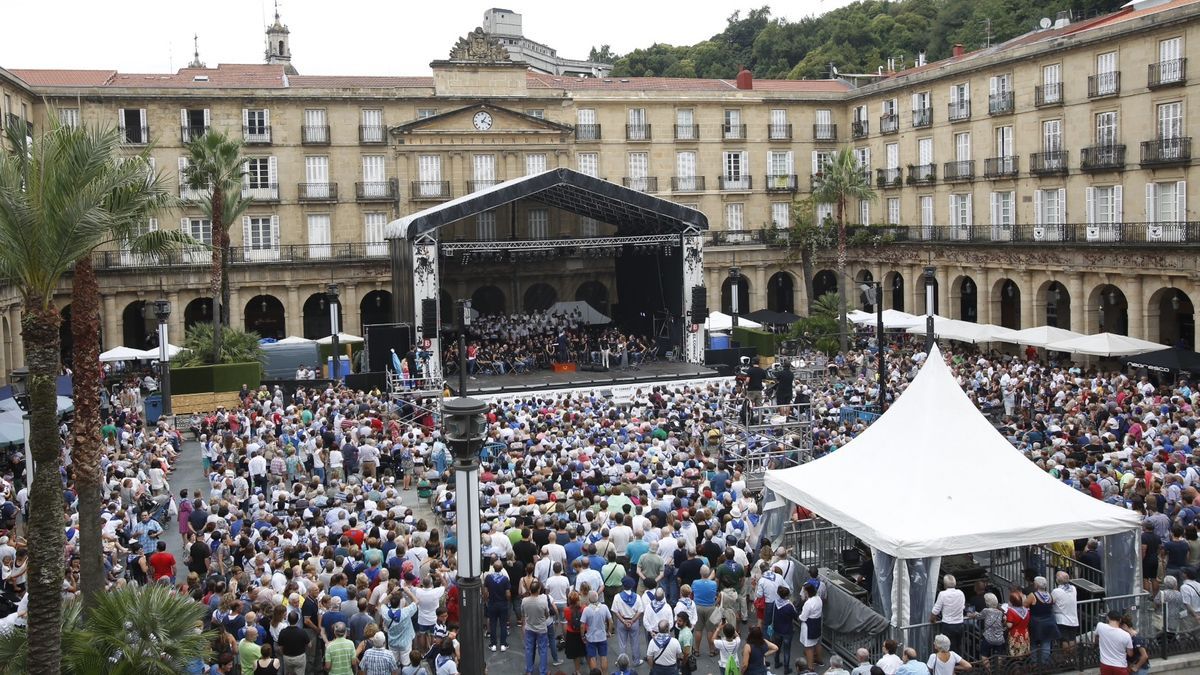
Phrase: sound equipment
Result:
[1086,590]
[429,318]
[699,304]
[380,339]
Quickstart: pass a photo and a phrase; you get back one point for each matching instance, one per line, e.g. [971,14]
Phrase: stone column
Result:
[293,314]
[1028,300]
[1082,315]
[111,333]
[714,288]
[945,277]
[758,290]
[916,290]
[237,311]
[1132,287]
[14,320]
[351,313]
[175,322]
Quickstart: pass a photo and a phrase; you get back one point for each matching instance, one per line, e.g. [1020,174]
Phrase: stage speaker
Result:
[699,304]
[381,338]
[429,322]
[724,369]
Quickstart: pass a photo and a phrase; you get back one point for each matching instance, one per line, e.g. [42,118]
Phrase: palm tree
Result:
[131,206]
[216,164]
[132,630]
[842,179]
[806,238]
[54,208]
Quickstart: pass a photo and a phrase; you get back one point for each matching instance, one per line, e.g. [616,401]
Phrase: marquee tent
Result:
[1040,336]
[1169,360]
[892,319]
[1104,344]
[938,438]
[722,321]
[122,354]
[343,338]
[590,315]
[953,329]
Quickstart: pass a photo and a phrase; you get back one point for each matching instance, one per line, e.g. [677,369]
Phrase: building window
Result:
[484,171]
[1106,128]
[863,157]
[779,129]
[780,170]
[819,159]
[639,168]
[637,130]
[372,130]
[429,176]
[68,117]
[425,113]
[319,235]
[132,125]
[193,122]
[1166,202]
[1170,120]
[962,146]
[960,211]
[539,223]
[781,215]
[733,124]
[1051,83]
[734,221]
[864,212]
[373,226]
[588,163]
[260,179]
[316,177]
[685,172]
[260,237]
[586,128]
[824,214]
[588,227]
[1103,204]
[1050,206]
[685,124]
[893,210]
[536,112]
[199,229]
[256,125]
[1002,215]
[485,226]
[316,128]
[824,129]
[1107,78]
[535,164]
[736,176]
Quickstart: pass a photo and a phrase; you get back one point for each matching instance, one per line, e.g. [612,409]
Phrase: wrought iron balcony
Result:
[825,132]
[779,132]
[1104,84]
[1000,167]
[1172,73]
[641,183]
[959,110]
[743,183]
[1001,103]
[189,194]
[257,135]
[922,117]
[135,135]
[687,184]
[116,260]
[317,192]
[314,135]
[1165,151]
[960,170]
[262,192]
[429,190]
[638,132]
[733,132]
[190,133]
[780,182]
[1048,94]
[687,132]
[888,178]
[1108,157]
[587,132]
[1049,163]
[377,191]
[860,128]
[889,124]
[922,174]
[1166,234]
[372,134]
[477,185]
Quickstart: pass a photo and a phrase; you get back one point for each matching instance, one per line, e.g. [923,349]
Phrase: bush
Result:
[237,346]
[221,377]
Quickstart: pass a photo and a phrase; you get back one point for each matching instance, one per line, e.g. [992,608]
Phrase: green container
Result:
[218,378]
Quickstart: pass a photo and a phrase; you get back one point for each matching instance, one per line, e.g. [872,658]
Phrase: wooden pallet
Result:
[186,404]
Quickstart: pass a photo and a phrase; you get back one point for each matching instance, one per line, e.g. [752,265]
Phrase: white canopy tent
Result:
[1104,344]
[123,354]
[1040,336]
[893,319]
[295,340]
[722,321]
[591,315]
[938,437]
[343,338]
[953,329]
[152,353]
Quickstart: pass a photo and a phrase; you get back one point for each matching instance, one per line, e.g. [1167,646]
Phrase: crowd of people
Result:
[324,538]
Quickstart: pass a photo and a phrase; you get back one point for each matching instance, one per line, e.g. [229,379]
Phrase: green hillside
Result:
[857,38]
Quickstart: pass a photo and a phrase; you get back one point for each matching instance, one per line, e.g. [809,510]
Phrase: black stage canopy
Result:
[1169,360]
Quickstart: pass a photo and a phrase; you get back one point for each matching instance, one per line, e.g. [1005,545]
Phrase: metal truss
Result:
[451,247]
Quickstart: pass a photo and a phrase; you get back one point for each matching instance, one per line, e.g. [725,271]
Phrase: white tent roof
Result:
[722,321]
[892,319]
[1104,344]
[999,333]
[1040,336]
[936,437]
[343,338]
[152,353]
[295,340]
[953,329]
[591,315]
[122,354]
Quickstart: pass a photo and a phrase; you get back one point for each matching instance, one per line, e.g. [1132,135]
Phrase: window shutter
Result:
[816,163]
[266,117]
[245,175]
[1038,216]
[970,214]
[1118,210]
[273,170]
[245,119]
[274,232]
[1062,205]
[207,118]
[246,238]
[995,208]
[183,165]
[1181,201]
[152,225]
[184,226]
[183,121]
[121,118]
[142,120]
[993,85]
[1089,197]
[1151,212]
[954,210]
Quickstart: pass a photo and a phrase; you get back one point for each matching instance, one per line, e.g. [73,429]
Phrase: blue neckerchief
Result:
[661,640]
[628,597]
[657,605]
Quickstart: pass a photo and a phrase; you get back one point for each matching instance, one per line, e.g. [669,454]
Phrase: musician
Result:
[564,353]
[605,350]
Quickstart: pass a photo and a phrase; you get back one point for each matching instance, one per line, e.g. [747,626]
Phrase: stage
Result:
[545,380]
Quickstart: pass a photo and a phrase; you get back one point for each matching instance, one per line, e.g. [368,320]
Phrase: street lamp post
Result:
[880,343]
[162,311]
[464,320]
[19,382]
[735,276]
[465,426]
[334,328]
[929,281]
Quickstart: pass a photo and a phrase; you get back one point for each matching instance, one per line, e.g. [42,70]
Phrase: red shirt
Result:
[355,535]
[163,564]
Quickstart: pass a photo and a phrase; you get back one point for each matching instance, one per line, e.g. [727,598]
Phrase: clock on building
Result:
[482,120]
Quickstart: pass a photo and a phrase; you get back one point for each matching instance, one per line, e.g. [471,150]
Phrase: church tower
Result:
[196,62]
[278,50]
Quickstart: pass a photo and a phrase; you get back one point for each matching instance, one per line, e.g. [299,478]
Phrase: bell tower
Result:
[278,49]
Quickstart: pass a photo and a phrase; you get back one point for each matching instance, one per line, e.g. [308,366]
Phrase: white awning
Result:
[1104,344]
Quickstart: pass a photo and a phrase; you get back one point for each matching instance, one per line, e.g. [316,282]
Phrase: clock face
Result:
[482,120]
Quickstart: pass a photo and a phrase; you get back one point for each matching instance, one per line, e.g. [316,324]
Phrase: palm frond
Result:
[235,205]
[842,177]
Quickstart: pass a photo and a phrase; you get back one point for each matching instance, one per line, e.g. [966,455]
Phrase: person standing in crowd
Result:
[755,653]
[1116,645]
[782,626]
[627,610]
[596,623]
[663,651]
[538,612]
[1043,629]
[497,592]
[948,611]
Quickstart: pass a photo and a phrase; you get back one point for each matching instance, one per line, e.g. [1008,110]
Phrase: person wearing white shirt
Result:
[667,545]
[589,576]
[656,609]
[1065,614]
[663,651]
[1116,645]
[948,611]
[890,662]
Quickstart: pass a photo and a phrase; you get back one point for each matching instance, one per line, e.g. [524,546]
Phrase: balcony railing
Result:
[263,192]
[372,134]
[860,128]
[889,124]
[377,191]
[781,182]
[259,135]
[641,183]
[779,132]
[238,255]
[687,184]
[825,132]
[922,174]
[733,132]
[638,132]
[314,135]
[687,132]
[189,194]
[1049,163]
[317,192]
[1000,167]
[190,133]
[1133,234]
[1001,103]
[135,135]
[429,190]
[480,184]
[1163,151]
[959,110]
[1048,94]
[1104,84]
[735,183]
[1109,157]
[888,178]
[587,132]
[922,117]
[1170,73]
[960,170]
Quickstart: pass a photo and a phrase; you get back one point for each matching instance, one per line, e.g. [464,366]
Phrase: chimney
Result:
[745,79]
[1062,19]
[920,58]
[958,50]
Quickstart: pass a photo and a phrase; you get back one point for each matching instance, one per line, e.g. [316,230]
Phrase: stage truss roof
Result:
[634,213]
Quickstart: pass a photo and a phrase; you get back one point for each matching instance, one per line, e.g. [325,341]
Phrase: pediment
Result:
[462,121]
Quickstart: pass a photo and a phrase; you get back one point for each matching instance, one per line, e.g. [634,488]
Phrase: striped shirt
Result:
[339,654]
[377,661]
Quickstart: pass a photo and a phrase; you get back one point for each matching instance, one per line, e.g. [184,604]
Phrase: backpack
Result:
[576,622]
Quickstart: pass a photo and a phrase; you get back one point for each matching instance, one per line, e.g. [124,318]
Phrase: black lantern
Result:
[18,381]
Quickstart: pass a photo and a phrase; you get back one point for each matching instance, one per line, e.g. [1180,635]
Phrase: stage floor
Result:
[547,379]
